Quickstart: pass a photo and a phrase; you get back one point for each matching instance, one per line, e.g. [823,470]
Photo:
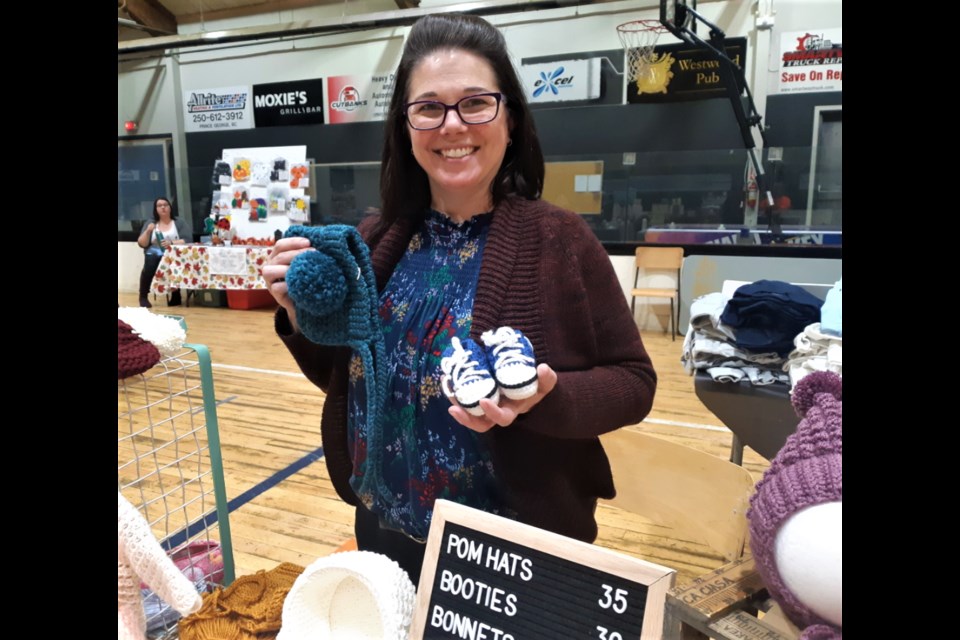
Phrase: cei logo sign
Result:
[562,80]
[552,82]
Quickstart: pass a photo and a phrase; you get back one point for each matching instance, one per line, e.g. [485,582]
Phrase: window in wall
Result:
[345,194]
[825,190]
[144,173]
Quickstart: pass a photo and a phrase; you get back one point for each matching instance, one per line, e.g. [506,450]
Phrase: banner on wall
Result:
[281,104]
[561,81]
[217,109]
[811,61]
[680,72]
[358,98]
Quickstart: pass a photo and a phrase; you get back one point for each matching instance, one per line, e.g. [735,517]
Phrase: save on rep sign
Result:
[811,61]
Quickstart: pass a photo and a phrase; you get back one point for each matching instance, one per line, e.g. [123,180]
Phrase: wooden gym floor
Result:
[284,507]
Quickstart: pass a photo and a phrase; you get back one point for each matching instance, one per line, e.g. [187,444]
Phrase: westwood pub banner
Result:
[681,72]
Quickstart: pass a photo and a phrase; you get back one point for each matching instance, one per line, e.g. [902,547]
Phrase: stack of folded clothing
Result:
[750,334]
[819,347]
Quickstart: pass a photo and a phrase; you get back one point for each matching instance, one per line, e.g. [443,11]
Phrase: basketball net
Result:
[638,38]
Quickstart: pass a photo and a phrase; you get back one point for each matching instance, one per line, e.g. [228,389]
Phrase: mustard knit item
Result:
[140,557]
[249,609]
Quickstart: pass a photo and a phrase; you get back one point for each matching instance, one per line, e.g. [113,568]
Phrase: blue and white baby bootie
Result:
[468,375]
[510,355]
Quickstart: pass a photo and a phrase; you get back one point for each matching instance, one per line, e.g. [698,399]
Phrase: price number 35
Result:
[615,599]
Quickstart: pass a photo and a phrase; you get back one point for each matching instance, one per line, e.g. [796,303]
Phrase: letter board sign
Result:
[485,576]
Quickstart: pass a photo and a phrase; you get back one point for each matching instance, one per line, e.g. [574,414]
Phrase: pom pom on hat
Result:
[316,283]
[334,288]
[808,471]
[134,354]
[810,385]
[354,595]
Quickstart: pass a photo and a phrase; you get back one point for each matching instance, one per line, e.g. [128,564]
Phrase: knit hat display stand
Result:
[334,291]
[806,474]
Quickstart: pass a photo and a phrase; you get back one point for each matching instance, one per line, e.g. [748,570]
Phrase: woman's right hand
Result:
[275,272]
[145,234]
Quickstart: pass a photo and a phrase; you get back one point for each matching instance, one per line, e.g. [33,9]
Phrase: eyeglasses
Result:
[424,115]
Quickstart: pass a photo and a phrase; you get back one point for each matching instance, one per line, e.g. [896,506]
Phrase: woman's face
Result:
[164,209]
[461,160]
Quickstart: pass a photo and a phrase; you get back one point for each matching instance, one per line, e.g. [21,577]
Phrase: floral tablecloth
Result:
[197,266]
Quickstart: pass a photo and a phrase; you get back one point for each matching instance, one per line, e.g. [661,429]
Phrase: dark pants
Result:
[405,551]
[150,264]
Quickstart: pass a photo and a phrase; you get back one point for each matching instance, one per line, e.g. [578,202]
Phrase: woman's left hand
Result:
[507,411]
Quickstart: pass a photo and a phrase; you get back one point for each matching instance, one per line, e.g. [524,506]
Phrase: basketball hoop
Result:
[638,38]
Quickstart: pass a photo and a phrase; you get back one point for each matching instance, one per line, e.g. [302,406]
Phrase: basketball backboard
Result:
[673,13]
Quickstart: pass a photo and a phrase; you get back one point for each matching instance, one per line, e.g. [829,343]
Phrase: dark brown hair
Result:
[404,188]
[173,209]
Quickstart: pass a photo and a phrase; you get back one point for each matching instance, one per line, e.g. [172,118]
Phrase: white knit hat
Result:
[163,332]
[354,595]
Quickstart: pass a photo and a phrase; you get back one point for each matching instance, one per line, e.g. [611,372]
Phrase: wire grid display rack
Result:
[169,467]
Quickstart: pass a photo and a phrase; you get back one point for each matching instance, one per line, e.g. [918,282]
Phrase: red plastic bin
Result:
[249,299]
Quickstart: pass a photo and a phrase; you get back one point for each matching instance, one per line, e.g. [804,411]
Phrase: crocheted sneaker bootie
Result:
[468,375]
[511,356]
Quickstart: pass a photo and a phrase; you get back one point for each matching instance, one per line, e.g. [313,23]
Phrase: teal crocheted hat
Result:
[333,288]
[335,295]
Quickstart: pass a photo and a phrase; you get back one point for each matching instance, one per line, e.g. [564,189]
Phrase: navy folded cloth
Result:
[767,315]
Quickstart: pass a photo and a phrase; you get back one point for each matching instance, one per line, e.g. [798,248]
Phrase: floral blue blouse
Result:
[427,454]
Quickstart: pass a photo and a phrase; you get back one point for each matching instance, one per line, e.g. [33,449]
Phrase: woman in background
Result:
[156,237]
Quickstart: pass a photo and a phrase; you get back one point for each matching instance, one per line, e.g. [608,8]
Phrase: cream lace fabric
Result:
[141,558]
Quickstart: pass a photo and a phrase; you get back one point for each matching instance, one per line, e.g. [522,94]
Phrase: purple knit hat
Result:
[134,354]
[807,471]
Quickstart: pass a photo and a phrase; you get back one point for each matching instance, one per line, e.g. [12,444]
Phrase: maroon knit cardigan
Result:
[543,272]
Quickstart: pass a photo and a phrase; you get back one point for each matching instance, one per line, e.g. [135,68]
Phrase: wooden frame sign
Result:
[489,578]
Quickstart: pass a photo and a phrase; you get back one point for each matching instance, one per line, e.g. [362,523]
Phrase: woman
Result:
[464,246]
[156,237]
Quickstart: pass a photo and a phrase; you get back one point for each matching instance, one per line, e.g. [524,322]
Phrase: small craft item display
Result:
[259,189]
[299,210]
[218,227]
[299,176]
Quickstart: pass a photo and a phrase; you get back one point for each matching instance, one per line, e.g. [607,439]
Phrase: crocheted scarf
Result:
[335,295]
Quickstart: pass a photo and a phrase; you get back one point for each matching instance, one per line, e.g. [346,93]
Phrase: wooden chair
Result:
[703,497]
[659,258]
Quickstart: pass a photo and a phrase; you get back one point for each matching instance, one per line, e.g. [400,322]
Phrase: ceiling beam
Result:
[152,15]
[344,24]
[256,8]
